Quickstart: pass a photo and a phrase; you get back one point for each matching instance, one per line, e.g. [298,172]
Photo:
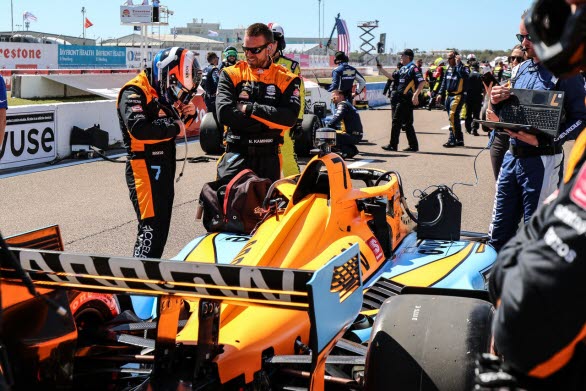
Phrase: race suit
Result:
[537,285]
[148,130]
[350,131]
[290,165]
[407,82]
[438,78]
[209,82]
[253,138]
[529,174]
[343,77]
[454,85]
[498,73]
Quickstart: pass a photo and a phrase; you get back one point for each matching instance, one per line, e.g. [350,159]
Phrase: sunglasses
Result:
[521,37]
[255,50]
[517,58]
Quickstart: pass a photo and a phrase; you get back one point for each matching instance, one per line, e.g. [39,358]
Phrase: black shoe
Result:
[450,144]
[460,143]
[475,133]
[389,147]
[428,108]
[468,131]
[411,149]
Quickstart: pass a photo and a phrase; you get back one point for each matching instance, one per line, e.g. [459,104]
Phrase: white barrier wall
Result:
[40,133]
[19,55]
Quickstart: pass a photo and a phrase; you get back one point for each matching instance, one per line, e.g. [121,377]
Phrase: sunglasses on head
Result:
[521,37]
[517,58]
[255,50]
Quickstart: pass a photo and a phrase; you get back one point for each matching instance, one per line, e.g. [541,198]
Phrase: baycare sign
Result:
[29,139]
[17,55]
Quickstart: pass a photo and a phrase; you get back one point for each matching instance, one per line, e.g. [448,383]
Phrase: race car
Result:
[321,273]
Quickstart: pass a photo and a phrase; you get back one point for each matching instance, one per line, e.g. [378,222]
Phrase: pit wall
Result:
[40,133]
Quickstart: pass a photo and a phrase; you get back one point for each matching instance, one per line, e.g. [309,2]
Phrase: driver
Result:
[537,282]
[147,107]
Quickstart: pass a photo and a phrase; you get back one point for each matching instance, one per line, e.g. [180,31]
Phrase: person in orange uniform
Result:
[150,108]
[258,101]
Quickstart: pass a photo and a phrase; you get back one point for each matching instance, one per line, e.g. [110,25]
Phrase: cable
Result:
[100,153]
[402,194]
[176,114]
[475,172]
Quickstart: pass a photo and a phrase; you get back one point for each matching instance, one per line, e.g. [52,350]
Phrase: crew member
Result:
[454,85]
[230,57]
[258,101]
[540,323]
[474,98]
[348,121]
[344,75]
[209,82]
[3,108]
[438,78]
[498,71]
[290,165]
[147,107]
[531,169]
[410,85]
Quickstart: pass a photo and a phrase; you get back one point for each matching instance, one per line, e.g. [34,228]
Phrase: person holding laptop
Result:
[532,168]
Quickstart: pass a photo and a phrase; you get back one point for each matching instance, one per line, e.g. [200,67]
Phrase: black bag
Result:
[235,206]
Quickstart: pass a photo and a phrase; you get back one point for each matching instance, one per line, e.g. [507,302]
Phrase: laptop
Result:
[532,111]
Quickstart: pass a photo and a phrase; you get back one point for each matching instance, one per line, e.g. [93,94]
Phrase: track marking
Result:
[360,163]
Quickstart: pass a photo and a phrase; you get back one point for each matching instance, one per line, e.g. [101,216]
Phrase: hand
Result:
[415,100]
[491,116]
[186,109]
[458,59]
[181,128]
[241,107]
[528,138]
[499,94]
[438,99]
[379,65]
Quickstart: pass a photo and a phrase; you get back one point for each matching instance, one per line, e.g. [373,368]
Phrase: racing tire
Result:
[428,342]
[91,311]
[211,135]
[304,142]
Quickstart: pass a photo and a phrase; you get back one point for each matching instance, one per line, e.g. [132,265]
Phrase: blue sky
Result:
[423,24]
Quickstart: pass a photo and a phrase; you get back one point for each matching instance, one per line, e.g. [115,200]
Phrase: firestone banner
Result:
[21,55]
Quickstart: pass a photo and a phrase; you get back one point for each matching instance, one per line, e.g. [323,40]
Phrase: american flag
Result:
[343,36]
[29,17]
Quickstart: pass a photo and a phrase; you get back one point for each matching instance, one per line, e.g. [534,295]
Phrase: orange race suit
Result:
[537,284]
[253,139]
[149,132]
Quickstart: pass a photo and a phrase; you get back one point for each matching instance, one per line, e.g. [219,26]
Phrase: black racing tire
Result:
[211,135]
[427,342]
[304,142]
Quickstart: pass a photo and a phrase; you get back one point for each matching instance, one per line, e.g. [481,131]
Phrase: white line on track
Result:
[360,163]
[71,163]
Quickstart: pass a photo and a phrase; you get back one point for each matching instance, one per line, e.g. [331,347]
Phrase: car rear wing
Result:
[331,295]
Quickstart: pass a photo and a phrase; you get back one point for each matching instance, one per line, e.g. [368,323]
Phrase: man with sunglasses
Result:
[258,101]
[531,169]
[455,85]
[149,110]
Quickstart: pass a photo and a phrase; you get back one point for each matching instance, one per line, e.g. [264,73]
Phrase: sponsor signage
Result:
[77,56]
[20,55]
[29,139]
[136,14]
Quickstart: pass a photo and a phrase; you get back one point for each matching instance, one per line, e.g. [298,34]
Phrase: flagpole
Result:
[83,22]
[332,34]
[11,19]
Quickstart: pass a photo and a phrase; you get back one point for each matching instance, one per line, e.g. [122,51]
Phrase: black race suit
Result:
[149,131]
[272,99]
[538,286]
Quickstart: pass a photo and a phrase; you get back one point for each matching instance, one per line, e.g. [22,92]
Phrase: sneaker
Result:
[460,143]
[450,144]
[389,147]
[411,149]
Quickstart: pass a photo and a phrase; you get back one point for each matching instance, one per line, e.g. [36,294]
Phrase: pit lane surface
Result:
[91,205]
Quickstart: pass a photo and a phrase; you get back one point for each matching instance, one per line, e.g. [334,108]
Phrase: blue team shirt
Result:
[409,78]
[3,98]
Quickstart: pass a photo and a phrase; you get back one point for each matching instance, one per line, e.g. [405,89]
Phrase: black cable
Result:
[475,172]
[100,153]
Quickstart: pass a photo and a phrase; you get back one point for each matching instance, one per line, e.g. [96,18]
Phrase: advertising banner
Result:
[136,14]
[29,139]
[133,57]
[21,55]
[76,56]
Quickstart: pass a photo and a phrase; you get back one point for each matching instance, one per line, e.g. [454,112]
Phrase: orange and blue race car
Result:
[333,290]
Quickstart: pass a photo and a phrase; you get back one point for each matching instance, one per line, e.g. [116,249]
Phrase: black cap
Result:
[340,57]
[408,52]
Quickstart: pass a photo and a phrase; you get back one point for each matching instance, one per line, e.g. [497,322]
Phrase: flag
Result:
[87,24]
[343,36]
[212,33]
[29,17]
[174,32]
